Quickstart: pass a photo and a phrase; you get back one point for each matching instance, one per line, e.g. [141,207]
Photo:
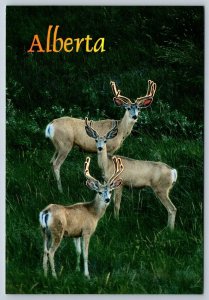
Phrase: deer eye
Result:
[128,108]
[100,193]
[96,140]
[105,141]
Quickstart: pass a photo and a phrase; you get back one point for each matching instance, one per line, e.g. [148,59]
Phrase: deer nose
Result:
[107,200]
[134,117]
[100,148]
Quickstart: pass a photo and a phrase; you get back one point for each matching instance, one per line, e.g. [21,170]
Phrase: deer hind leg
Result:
[61,156]
[56,240]
[53,157]
[117,201]
[46,252]
[163,195]
[86,239]
[77,242]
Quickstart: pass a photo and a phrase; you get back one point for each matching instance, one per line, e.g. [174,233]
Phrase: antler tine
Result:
[117,94]
[118,168]
[114,160]
[150,91]
[154,87]
[95,133]
[114,89]
[86,169]
[151,88]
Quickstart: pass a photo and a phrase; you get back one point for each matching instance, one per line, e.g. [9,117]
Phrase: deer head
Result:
[101,140]
[104,190]
[134,108]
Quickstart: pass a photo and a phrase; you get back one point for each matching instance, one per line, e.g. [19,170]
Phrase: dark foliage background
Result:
[164,44]
[161,43]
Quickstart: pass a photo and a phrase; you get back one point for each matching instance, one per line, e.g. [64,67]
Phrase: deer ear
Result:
[112,133]
[118,101]
[116,183]
[93,185]
[145,102]
[91,133]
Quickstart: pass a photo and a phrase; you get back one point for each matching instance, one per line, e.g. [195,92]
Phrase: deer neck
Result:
[98,207]
[126,125]
[103,160]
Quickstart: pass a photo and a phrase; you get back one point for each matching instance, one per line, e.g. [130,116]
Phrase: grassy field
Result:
[135,255]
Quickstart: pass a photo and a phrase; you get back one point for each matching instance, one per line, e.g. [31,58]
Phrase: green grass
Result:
[135,255]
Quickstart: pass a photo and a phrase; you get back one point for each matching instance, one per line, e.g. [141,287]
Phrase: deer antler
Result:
[150,92]
[117,94]
[86,169]
[118,168]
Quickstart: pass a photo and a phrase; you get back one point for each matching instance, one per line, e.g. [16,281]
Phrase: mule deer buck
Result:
[137,173]
[79,220]
[67,132]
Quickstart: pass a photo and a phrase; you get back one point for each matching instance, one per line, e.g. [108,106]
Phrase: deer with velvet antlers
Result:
[67,132]
[79,220]
[137,173]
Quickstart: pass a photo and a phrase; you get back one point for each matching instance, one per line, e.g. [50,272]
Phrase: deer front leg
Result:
[77,242]
[117,200]
[86,239]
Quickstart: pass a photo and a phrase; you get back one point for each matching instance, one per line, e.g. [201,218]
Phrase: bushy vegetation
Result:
[135,255]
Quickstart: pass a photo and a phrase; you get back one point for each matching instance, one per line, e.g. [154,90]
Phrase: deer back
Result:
[140,173]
